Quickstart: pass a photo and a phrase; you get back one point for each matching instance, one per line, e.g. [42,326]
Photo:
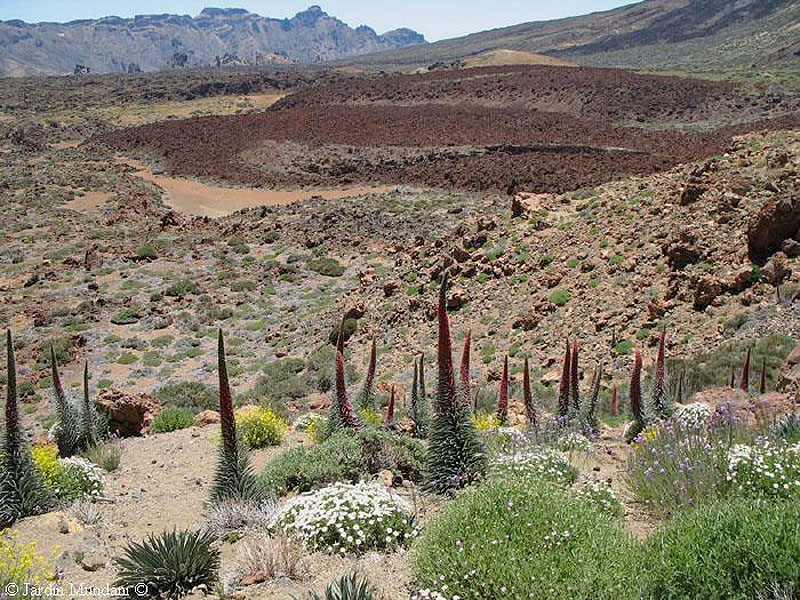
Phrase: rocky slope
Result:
[214,37]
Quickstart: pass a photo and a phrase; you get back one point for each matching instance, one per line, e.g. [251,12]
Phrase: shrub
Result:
[347,457]
[106,454]
[272,557]
[419,403]
[767,469]
[695,415]
[260,426]
[229,518]
[78,478]
[169,565]
[787,429]
[146,251]
[486,422]
[520,538]
[347,587]
[172,418]
[21,565]
[67,431]
[326,266]
[191,395]
[560,297]
[736,550]
[601,495]
[182,287]
[127,316]
[536,463]
[347,519]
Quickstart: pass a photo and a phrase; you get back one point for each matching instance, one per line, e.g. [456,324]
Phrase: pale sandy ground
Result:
[500,57]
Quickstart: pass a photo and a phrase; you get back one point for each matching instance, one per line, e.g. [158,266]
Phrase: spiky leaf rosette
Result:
[744,380]
[563,389]
[455,455]
[234,478]
[590,410]
[659,403]
[502,399]
[527,396]
[636,400]
[67,432]
[419,408]
[574,382]
[169,565]
[22,489]
[762,384]
[366,399]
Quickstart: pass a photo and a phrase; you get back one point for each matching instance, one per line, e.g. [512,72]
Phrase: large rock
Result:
[778,220]
[790,374]
[128,414]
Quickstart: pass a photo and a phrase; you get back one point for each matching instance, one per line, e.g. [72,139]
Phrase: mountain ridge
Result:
[159,41]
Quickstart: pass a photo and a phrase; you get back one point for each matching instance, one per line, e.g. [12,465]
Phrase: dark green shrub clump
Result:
[172,418]
[191,395]
[169,565]
[345,456]
[516,538]
[735,550]
[326,266]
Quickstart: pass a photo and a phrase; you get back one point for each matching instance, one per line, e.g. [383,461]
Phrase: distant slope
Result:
[501,57]
[688,34]
[155,42]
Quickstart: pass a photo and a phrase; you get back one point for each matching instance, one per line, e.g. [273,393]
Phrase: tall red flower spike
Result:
[744,381]
[390,413]
[464,391]
[527,395]
[563,390]
[446,397]
[227,419]
[502,400]
[636,388]
[614,403]
[345,410]
[574,389]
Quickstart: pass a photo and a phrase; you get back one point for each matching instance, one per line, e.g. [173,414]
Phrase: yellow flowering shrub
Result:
[45,457]
[260,426]
[20,563]
[486,422]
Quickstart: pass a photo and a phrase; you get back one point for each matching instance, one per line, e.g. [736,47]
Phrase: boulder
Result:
[207,417]
[777,221]
[128,414]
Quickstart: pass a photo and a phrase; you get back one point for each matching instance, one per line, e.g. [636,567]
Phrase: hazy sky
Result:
[437,19]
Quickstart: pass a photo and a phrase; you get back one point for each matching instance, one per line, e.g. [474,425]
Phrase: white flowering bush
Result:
[426,594]
[347,519]
[573,442]
[79,478]
[695,415]
[539,462]
[766,468]
[601,495]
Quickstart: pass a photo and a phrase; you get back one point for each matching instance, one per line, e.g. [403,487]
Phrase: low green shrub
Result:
[191,395]
[737,550]
[523,538]
[326,266]
[260,427]
[345,456]
[172,418]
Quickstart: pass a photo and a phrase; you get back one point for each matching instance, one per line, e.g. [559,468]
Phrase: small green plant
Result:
[106,454]
[127,316]
[347,587]
[191,395]
[146,251]
[326,266]
[172,418]
[260,427]
[560,297]
[182,287]
[21,565]
[169,565]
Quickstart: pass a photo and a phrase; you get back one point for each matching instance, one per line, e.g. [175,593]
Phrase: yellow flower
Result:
[19,563]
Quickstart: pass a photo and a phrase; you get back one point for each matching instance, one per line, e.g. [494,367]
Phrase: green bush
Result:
[350,327]
[126,316]
[191,395]
[146,250]
[741,549]
[345,456]
[560,297]
[518,538]
[326,266]
[172,418]
[182,288]
[260,427]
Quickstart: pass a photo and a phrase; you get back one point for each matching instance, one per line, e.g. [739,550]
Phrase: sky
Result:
[436,19]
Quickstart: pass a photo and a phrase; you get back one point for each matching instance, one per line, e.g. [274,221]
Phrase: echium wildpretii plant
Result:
[23,491]
[456,455]
[342,414]
[659,406]
[234,479]
[563,388]
[366,399]
[502,400]
[67,431]
[744,380]
[419,404]
[527,396]
[574,385]
[638,424]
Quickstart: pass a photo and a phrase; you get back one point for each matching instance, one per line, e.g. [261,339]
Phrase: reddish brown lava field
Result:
[544,129]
